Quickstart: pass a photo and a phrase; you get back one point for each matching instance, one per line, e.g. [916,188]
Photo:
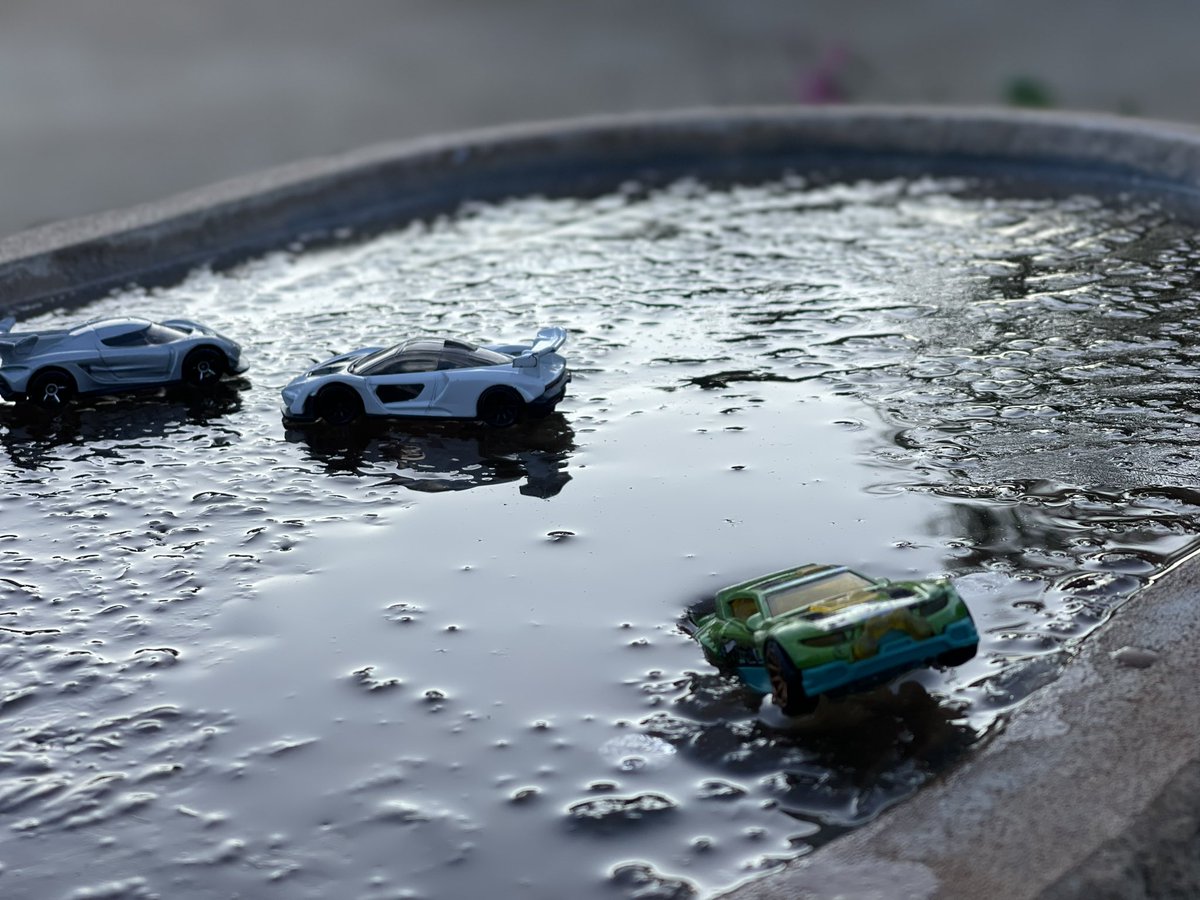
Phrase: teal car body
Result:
[816,630]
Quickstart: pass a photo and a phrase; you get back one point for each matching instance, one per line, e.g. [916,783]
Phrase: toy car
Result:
[434,377]
[813,630]
[104,356]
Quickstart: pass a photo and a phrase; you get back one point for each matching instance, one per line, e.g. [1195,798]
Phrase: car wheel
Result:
[787,687]
[51,389]
[956,657]
[500,408]
[204,366]
[338,404]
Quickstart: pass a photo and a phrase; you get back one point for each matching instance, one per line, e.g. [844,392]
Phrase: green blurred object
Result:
[1028,92]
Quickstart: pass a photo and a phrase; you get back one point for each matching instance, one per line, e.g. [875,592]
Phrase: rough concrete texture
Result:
[1156,856]
[1091,791]
[385,184]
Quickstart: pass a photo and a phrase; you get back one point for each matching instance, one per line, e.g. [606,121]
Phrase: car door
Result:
[466,377]
[401,391]
[129,358]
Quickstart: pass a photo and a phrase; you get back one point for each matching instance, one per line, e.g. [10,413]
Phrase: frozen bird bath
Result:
[913,341]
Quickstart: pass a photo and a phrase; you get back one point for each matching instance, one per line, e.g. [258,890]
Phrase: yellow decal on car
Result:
[833,604]
[902,620]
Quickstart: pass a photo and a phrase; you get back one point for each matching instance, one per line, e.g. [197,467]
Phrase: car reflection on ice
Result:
[447,456]
[112,428]
[50,367]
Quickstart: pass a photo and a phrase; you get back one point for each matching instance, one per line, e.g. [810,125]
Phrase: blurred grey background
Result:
[108,103]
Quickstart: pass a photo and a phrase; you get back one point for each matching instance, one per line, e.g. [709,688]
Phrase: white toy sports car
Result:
[434,377]
[104,356]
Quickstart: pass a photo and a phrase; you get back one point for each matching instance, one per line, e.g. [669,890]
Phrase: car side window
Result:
[405,363]
[743,607]
[456,357]
[135,338]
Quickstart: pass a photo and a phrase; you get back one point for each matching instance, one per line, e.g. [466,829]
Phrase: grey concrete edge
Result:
[371,188]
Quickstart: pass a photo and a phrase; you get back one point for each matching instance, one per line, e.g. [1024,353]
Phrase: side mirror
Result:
[755,621]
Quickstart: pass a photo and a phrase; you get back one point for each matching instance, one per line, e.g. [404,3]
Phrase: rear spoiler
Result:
[547,341]
[18,342]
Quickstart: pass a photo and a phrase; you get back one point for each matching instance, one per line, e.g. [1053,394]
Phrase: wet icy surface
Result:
[441,662]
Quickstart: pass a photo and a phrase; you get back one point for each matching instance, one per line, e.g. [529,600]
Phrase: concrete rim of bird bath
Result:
[384,185]
[1094,783]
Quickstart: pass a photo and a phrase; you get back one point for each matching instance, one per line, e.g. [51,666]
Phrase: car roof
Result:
[109,321]
[420,345]
[775,580]
[424,346]
[798,576]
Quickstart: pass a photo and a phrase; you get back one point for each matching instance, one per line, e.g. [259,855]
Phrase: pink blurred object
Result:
[823,82]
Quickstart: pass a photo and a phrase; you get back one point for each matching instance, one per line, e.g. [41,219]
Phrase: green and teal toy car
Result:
[813,630]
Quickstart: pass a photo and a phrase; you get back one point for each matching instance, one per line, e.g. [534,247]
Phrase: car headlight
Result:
[290,395]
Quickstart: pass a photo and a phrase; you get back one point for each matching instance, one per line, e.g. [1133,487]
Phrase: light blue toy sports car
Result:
[104,356]
[434,378]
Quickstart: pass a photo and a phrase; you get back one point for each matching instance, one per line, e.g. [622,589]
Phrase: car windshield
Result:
[458,357]
[163,334]
[383,358]
[788,597]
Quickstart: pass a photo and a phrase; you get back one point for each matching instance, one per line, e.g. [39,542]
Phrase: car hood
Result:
[336,364]
[860,606]
[328,368]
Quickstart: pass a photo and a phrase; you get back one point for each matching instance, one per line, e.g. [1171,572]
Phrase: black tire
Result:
[501,408]
[338,404]
[956,657]
[787,687]
[51,389]
[204,366]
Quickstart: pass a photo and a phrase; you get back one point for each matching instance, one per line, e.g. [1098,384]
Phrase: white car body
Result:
[109,355]
[433,377]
